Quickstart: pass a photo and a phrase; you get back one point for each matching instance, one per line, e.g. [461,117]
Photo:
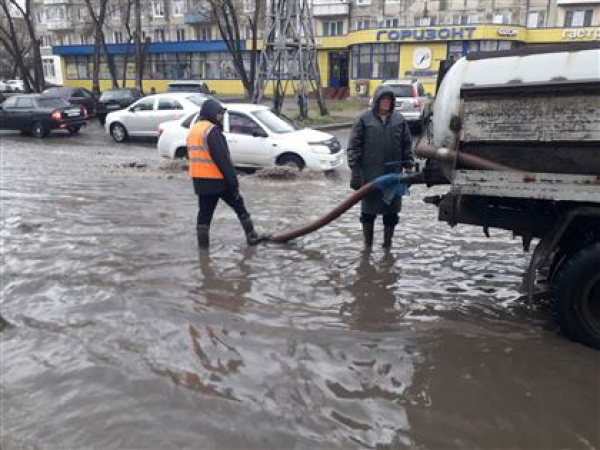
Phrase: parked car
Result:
[14,85]
[4,87]
[39,115]
[2,98]
[114,100]
[75,96]
[200,87]
[143,117]
[411,100]
[258,138]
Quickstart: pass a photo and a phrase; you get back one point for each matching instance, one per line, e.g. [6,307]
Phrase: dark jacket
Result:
[219,152]
[376,148]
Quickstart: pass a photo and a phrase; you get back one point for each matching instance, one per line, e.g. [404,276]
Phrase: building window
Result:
[46,41]
[333,28]
[83,39]
[375,61]
[363,24]
[118,37]
[424,21]
[473,18]
[181,34]
[363,2]
[459,19]
[502,17]
[204,34]
[159,35]
[158,9]
[249,6]
[49,68]
[178,8]
[392,23]
[392,1]
[39,16]
[535,19]
[579,17]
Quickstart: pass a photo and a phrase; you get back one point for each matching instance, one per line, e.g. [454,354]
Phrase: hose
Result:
[384,182]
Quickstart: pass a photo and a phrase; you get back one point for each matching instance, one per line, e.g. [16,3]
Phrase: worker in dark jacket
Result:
[213,173]
[380,143]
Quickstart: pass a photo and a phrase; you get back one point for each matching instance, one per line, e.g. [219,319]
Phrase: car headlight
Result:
[322,149]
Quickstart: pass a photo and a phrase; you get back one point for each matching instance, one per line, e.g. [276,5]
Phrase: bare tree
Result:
[98,20]
[18,36]
[226,16]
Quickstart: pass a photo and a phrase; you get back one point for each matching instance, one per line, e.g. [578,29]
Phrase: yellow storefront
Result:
[359,60]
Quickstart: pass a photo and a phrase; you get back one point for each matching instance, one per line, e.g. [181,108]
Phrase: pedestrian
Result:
[379,144]
[213,174]
[152,90]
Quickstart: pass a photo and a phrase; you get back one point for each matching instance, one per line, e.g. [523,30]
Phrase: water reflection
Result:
[374,306]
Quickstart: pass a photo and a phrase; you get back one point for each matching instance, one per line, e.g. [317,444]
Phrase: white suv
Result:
[411,100]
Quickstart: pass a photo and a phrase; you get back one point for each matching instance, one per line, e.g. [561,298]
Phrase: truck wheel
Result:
[581,237]
[576,296]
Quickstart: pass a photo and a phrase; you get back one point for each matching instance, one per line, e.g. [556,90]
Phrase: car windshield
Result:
[117,94]
[399,90]
[197,100]
[52,102]
[273,122]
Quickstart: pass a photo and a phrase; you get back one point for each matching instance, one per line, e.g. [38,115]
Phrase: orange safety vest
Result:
[201,163]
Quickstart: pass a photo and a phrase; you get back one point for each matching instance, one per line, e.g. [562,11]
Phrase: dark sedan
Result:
[39,115]
[115,99]
[75,96]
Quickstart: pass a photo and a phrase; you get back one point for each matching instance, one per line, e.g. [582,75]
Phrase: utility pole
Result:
[289,55]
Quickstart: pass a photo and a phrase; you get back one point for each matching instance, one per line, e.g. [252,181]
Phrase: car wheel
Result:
[181,153]
[38,130]
[292,161]
[419,126]
[118,132]
[74,129]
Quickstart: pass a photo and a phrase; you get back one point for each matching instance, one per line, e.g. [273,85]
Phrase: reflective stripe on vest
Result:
[201,163]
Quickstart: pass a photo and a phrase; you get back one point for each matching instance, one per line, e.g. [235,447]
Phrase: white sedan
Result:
[142,118]
[258,138]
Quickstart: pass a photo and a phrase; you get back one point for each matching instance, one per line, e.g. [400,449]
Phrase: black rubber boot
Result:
[202,235]
[368,229]
[388,234]
[252,237]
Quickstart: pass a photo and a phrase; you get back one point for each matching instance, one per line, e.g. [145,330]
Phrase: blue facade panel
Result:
[154,47]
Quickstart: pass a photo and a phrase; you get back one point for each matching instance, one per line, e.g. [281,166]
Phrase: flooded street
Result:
[122,337]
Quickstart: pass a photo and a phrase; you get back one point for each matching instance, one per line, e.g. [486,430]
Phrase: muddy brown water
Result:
[121,337]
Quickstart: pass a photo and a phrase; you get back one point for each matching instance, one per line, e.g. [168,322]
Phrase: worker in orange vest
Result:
[213,173]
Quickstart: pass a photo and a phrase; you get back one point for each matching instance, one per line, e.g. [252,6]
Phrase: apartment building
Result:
[361,42]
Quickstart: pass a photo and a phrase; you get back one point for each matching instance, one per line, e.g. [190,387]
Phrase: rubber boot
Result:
[252,237]
[368,229]
[388,234]
[202,235]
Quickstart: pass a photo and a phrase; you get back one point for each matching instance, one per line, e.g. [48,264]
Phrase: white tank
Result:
[562,65]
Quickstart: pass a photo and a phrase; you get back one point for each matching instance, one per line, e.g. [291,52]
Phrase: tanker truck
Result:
[516,136]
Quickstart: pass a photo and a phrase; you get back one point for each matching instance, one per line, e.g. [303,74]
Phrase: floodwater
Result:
[122,337]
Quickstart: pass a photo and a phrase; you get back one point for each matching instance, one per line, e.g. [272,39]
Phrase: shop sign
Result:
[427,34]
[581,33]
[422,58]
[507,32]
[420,73]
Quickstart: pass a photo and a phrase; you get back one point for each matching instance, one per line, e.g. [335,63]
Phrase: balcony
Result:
[57,2]
[197,18]
[58,25]
[330,8]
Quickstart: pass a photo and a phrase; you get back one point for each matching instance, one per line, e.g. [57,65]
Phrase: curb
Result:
[333,126]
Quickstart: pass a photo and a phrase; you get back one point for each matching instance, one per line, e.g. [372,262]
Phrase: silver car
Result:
[411,100]
[142,118]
